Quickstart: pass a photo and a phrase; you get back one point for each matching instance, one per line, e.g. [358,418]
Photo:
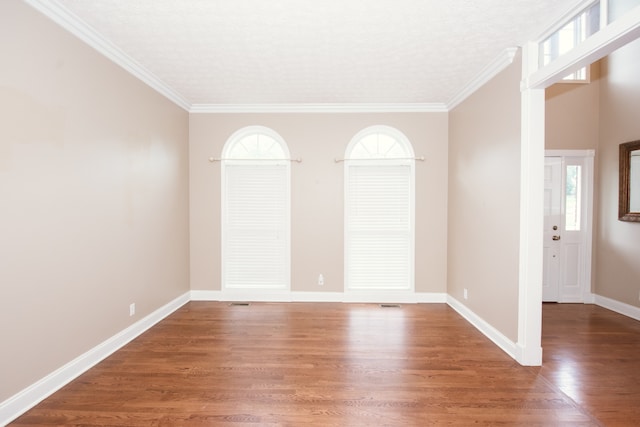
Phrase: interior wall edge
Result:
[26,399]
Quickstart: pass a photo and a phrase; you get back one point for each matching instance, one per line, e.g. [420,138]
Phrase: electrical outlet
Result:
[132,309]
[466,294]
[320,280]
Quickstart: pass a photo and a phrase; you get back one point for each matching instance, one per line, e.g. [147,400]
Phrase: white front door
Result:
[567,227]
[552,223]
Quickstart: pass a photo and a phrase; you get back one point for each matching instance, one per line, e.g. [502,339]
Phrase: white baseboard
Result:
[21,402]
[489,331]
[617,306]
[394,297]
[589,298]
[205,296]
[316,297]
[354,297]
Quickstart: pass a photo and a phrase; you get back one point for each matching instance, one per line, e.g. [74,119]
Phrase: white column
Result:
[531,216]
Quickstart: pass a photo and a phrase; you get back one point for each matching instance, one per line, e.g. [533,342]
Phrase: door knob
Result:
[556,237]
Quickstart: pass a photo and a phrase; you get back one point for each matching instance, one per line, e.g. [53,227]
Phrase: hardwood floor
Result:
[593,356]
[337,364]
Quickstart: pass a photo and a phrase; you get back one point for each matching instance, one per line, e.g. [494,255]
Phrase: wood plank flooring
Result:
[593,356]
[326,364]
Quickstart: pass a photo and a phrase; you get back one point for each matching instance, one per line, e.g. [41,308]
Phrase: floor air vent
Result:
[244,304]
[390,305]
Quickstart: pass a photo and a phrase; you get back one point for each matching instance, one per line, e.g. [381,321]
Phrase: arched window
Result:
[379,211]
[255,211]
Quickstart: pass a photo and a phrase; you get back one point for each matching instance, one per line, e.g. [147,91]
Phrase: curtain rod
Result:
[214,159]
[421,158]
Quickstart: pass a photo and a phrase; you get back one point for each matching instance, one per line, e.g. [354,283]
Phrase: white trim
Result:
[26,399]
[431,297]
[70,22]
[608,39]
[300,296]
[531,217]
[588,256]
[604,13]
[202,295]
[76,26]
[569,153]
[487,330]
[258,295]
[317,297]
[319,108]
[589,298]
[617,306]
[393,297]
[489,72]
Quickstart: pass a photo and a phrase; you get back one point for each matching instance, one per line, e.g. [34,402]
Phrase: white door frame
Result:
[587,215]
[535,80]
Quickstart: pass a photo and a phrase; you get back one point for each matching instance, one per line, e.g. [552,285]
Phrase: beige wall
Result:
[572,114]
[93,195]
[317,192]
[617,257]
[484,194]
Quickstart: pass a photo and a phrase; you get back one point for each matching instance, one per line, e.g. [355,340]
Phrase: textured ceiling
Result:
[235,52]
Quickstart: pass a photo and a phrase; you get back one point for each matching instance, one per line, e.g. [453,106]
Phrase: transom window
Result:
[569,36]
[257,145]
[379,145]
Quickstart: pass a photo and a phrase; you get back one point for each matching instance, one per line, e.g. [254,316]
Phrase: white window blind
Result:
[255,227]
[255,216]
[379,225]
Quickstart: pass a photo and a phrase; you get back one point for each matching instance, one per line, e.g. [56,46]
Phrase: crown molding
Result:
[70,22]
[490,71]
[318,108]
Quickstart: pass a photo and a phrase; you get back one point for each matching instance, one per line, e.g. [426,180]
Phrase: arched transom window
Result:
[255,144]
[378,143]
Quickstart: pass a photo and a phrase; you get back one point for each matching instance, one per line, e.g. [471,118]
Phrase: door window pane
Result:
[572,198]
